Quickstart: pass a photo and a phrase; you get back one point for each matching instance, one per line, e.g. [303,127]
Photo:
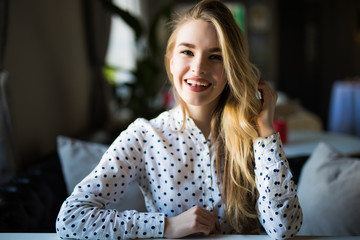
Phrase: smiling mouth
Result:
[197,83]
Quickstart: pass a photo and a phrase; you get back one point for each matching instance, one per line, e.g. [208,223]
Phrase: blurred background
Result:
[87,68]
[75,67]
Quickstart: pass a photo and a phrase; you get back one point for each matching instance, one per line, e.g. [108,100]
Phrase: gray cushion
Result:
[79,158]
[329,193]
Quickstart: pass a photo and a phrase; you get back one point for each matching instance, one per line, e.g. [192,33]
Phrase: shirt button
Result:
[208,181]
[209,208]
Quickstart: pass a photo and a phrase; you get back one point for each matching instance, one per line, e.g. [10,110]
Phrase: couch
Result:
[29,202]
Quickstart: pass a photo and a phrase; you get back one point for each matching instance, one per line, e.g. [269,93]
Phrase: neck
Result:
[202,118]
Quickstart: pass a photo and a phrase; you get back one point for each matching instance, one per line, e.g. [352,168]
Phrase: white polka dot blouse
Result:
[175,171]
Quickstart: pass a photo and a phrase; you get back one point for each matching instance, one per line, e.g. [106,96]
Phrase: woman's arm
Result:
[84,215]
[278,205]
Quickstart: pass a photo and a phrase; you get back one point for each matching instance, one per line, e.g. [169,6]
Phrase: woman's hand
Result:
[265,119]
[194,220]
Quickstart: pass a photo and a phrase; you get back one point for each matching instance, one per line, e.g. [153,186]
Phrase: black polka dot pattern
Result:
[279,209]
[175,171]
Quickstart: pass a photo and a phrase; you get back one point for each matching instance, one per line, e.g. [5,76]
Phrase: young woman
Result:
[213,164]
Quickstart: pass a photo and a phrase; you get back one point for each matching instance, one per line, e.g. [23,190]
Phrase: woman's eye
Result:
[216,57]
[187,52]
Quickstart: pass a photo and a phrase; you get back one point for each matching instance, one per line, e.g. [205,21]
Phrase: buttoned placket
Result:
[206,167]
[207,177]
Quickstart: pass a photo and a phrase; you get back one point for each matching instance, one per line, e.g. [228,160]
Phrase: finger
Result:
[209,215]
[260,96]
[209,222]
[200,225]
[218,225]
[206,218]
[205,230]
[262,84]
[215,220]
[262,90]
[269,96]
[212,220]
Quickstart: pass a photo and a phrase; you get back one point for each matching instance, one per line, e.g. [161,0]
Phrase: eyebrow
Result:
[189,45]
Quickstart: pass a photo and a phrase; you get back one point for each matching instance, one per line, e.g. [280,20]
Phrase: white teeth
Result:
[196,83]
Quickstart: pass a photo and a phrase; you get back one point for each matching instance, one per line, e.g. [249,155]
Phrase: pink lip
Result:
[196,88]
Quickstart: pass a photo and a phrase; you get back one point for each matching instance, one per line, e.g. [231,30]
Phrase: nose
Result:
[198,66]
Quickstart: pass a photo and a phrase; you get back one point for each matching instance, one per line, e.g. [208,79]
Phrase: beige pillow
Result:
[78,158]
[329,193]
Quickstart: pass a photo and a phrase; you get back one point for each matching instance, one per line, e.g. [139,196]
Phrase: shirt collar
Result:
[178,117]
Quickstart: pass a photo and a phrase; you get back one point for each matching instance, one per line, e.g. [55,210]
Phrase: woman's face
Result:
[196,64]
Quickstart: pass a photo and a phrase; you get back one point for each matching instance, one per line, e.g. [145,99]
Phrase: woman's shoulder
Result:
[170,119]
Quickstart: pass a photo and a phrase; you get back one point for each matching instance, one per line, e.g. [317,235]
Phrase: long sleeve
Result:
[279,210]
[84,215]
[174,170]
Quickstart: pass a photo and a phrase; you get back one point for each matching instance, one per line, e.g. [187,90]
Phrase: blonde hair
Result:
[233,124]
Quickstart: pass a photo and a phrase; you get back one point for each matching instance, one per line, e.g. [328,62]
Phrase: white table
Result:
[54,236]
[303,143]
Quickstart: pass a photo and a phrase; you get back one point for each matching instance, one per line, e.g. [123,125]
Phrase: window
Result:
[122,50]
[121,57]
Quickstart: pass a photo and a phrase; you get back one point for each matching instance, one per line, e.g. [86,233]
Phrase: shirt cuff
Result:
[151,225]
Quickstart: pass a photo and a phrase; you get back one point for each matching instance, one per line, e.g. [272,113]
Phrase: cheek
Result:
[221,86]
[179,66]
[171,66]
[220,76]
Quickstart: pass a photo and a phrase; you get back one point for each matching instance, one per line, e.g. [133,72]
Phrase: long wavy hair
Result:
[233,123]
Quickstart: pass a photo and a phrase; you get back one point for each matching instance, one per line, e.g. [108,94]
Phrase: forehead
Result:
[199,33]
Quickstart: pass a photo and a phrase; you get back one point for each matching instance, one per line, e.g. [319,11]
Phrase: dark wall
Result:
[49,85]
[318,44]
